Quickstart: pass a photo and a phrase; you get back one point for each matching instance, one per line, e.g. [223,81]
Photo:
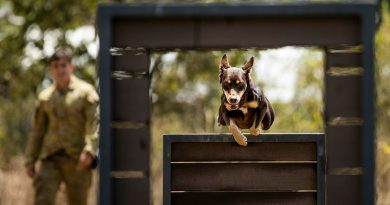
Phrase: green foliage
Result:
[305,112]
[382,44]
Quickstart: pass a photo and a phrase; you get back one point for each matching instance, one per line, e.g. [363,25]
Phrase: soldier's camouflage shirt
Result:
[64,120]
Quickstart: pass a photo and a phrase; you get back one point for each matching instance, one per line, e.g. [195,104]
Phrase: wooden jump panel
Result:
[247,198]
[238,176]
[267,151]
[279,169]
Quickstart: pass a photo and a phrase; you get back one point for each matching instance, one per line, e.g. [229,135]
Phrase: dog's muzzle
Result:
[233,99]
[233,102]
[234,107]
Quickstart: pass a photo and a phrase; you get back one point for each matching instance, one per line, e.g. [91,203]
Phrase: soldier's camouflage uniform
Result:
[65,123]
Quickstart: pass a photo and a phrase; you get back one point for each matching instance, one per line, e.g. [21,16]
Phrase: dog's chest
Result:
[243,118]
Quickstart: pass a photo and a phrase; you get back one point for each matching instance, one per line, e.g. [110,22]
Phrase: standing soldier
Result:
[64,135]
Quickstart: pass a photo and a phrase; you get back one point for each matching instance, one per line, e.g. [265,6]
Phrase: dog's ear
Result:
[248,65]
[224,63]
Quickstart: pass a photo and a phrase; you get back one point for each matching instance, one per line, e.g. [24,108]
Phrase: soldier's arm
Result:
[91,112]
[37,134]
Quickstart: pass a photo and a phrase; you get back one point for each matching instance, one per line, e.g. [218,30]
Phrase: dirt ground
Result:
[16,187]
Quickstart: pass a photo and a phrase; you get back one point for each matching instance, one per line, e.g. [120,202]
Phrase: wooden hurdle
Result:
[282,169]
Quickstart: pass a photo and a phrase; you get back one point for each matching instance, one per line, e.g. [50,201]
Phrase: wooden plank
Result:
[270,32]
[153,33]
[344,59]
[343,96]
[129,61]
[135,191]
[130,100]
[266,177]
[220,151]
[131,149]
[247,198]
[343,146]
[345,190]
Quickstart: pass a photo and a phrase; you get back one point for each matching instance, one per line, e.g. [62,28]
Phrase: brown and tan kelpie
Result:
[243,105]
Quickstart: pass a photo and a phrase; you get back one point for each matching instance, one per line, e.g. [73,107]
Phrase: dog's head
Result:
[234,81]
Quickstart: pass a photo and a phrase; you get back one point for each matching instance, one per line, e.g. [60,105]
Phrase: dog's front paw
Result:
[237,135]
[241,140]
[254,132]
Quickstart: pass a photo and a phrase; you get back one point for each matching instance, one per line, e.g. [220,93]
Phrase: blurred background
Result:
[185,88]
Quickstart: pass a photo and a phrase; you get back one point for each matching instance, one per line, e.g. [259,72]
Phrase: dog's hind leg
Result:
[237,135]
[254,130]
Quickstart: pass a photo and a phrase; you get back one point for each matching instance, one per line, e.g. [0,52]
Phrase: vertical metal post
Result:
[105,106]
[368,101]
[321,176]
[167,171]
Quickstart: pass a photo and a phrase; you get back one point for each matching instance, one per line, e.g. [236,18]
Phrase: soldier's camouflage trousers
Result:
[61,168]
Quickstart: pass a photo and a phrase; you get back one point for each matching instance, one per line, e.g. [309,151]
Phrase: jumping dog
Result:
[243,105]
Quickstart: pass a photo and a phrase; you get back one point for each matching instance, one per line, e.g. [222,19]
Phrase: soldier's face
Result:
[61,71]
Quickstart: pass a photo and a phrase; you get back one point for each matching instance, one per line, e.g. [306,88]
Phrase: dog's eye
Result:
[225,85]
[241,86]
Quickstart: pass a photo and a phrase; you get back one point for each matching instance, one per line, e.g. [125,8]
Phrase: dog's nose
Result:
[233,100]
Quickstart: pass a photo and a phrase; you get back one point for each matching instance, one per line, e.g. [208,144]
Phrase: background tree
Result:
[382,45]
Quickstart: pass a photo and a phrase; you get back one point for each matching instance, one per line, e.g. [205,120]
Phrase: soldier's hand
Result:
[30,169]
[85,161]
